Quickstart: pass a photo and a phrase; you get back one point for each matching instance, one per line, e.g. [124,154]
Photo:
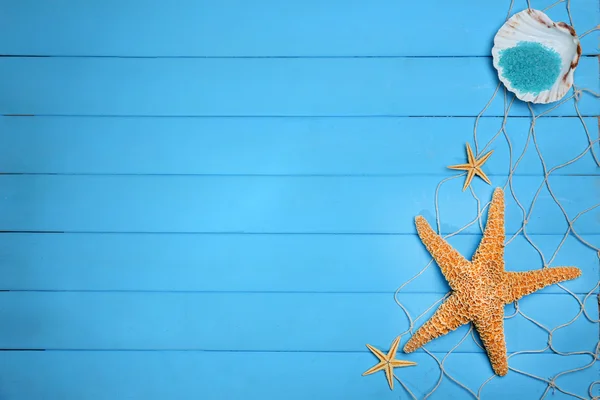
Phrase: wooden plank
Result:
[516,385]
[260,321]
[266,263]
[275,204]
[282,146]
[265,87]
[235,375]
[229,28]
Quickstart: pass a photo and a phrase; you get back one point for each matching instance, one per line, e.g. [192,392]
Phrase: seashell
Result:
[545,76]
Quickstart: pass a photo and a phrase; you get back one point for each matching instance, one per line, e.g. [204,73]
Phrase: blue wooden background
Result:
[215,199]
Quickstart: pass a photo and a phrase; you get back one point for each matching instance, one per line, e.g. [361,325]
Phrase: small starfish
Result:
[481,287]
[473,166]
[387,362]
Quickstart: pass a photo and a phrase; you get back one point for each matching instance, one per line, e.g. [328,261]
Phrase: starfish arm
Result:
[389,373]
[470,176]
[470,156]
[450,261]
[462,167]
[491,248]
[451,314]
[490,326]
[375,368]
[401,363]
[520,284]
[483,159]
[482,175]
[393,349]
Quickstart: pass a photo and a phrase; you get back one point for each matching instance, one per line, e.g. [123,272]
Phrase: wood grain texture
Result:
[268,28]
[284,146]
[266,87]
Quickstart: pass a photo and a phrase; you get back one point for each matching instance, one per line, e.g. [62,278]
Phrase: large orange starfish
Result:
[481,287]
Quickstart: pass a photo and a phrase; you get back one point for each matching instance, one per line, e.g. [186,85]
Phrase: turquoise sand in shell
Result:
[530,67]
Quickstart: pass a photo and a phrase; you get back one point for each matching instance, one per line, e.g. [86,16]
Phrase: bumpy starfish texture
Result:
[481,287]
[473,167]
[387,362]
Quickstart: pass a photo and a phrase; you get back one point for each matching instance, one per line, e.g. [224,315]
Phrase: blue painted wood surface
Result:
[215,199]
[401,86]
[267,28]
[292,262]
[275,204]
[280,146]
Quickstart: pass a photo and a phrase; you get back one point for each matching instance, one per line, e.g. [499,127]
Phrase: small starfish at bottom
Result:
[387,362]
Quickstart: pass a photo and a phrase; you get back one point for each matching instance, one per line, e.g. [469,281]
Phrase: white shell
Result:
[535,26]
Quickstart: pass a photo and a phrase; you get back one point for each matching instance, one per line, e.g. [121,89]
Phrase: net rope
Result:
[531,141]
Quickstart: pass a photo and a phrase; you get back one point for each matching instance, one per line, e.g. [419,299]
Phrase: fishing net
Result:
[528,211]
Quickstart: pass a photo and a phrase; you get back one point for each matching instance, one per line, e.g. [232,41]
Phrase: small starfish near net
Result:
[473,167]
[481,287]
[387,362]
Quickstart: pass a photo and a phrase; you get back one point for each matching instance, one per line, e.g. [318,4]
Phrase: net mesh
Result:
[530,145]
